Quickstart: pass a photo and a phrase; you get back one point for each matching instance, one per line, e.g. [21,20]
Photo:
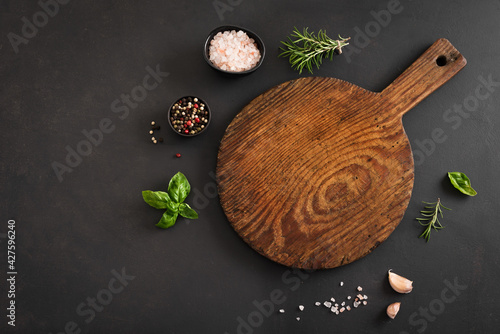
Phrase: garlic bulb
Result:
[399,283]
[393,309]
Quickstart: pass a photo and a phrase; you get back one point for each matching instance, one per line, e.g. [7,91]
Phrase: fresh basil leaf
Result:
[167,220]
[462,183]
[172,201]
[187,212]
[157,199]
[178,188]
[173,207]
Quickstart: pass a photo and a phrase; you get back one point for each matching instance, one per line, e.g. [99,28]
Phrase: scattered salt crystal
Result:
[341,283]
[298,318]
[332,299]
[359,288]
[365,297]
[365,302]
[327,304]
[343,304]
[349,297]
[301,307]
[282,311]
[342,309]
[333,309]
[348,308]
[317,303]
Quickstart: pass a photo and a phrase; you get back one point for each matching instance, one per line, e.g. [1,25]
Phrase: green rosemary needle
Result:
[431,219]
[307,49]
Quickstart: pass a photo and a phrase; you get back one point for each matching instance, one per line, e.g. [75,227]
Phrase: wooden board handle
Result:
[433,68]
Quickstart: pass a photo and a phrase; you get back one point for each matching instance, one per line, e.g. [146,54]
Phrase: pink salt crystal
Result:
[234,51]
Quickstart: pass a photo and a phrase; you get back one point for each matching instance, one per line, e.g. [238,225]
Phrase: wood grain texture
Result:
[317,172]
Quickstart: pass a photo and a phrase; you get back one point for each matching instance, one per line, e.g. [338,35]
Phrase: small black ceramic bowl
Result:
[251,34]
[189,116]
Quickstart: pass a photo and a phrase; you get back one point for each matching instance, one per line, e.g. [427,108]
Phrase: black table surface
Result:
[88,257]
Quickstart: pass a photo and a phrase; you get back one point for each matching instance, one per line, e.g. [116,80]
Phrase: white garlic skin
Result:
[400,283]
[393,309]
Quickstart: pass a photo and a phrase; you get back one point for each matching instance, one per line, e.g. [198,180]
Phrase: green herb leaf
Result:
[167,220]
[173,207]
[433,221]
[305,49]
[178,188]
[186,211]
[462,183]
[157,199]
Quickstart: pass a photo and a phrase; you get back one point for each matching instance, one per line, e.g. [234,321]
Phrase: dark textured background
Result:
[199,277]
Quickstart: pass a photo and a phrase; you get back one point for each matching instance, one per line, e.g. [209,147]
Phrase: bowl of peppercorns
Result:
[189,116]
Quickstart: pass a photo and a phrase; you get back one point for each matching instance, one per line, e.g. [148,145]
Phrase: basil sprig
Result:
[462,183]
[172,201]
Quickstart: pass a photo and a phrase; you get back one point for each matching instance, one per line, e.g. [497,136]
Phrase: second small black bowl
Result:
[192,116]
[251,34]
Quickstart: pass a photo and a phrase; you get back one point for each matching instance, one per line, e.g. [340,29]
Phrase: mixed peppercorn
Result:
[154,127]
[189,116]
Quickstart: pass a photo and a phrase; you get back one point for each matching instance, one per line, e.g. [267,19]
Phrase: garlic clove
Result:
[399,283]
[393,309]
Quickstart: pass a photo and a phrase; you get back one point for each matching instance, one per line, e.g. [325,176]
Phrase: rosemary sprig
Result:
[431,218]
[306,49]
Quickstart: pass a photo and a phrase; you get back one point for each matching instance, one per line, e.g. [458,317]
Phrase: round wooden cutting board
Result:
[317,172]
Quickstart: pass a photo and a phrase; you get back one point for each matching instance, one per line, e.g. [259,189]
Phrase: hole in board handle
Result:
[441,61]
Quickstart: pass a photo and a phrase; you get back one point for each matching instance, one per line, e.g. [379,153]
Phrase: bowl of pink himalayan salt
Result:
[234,50]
